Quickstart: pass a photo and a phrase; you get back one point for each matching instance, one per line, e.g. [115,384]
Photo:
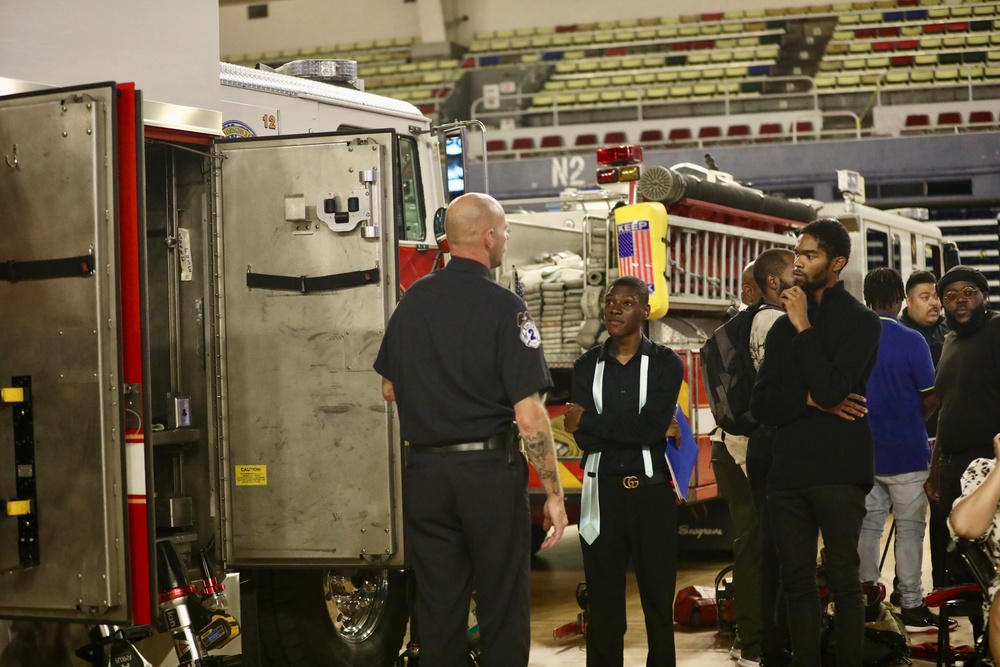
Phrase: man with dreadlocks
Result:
[900,399]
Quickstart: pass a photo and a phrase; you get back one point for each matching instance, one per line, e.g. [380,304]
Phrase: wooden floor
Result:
[557,571]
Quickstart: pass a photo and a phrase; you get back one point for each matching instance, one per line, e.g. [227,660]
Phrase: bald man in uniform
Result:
[462,358]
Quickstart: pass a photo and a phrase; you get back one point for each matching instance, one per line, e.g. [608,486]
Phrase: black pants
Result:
[467,523]
[640,524]
[951,469]
[799,516]
[774,619]
[734,487]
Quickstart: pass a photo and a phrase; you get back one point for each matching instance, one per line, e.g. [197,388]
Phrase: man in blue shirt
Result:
[900,398]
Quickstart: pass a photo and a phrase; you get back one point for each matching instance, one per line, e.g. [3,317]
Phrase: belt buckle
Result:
[630,482]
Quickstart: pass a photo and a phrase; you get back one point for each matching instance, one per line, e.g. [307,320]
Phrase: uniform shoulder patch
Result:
[529,332]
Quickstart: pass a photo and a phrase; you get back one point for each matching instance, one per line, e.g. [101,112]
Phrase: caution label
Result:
[251,475]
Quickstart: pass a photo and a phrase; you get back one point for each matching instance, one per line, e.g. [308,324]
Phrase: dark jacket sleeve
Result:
[772,402]
[627,429]
[831,379]
[582,394]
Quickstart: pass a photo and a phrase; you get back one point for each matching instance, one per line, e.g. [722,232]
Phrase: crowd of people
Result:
[851,402]
[847,403]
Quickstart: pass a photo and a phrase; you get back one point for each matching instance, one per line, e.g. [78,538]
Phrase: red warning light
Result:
[619,155]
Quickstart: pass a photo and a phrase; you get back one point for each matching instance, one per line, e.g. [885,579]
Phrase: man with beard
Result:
[810,388]
[967,384]
[923,314]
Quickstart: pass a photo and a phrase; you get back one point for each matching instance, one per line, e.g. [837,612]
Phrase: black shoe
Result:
[922,619]
[895,599]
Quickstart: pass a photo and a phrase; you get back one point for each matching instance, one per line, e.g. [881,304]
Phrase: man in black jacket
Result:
[810,388]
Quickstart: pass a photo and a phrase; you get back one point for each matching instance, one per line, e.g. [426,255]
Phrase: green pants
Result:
[747,547]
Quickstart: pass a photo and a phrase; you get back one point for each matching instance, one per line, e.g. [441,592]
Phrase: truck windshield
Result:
[413,228]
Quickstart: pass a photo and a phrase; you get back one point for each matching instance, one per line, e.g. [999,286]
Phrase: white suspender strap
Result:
[647,459]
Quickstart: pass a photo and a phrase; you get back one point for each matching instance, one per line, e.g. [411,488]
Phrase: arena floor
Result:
[557,571]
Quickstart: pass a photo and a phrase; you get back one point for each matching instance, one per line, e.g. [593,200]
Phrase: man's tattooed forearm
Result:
[537,447]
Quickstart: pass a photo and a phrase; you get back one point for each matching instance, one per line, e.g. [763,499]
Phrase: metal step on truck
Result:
[193,299]
[714,227]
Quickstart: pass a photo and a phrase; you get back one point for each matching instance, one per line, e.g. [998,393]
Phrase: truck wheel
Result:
[327,618]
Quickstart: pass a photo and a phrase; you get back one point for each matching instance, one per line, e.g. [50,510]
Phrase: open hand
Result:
[851,408]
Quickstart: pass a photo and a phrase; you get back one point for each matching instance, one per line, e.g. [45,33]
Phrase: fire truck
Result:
[192,303]
[193,300]
[715,226]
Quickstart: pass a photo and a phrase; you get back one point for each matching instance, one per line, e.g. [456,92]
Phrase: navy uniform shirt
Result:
[460,351]
[621,430]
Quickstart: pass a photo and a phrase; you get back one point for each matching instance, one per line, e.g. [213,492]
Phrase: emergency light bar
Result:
[617,156]
[618,174]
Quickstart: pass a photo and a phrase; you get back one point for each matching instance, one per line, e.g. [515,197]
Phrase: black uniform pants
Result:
[734,487]
[638,524]
[467,523]
[799,516]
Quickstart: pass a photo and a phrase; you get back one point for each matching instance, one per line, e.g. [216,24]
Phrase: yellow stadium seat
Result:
[690,74]
[500,44]
[630,94]
[911,30]
[576,84]
[954,42]
[736,72]
[645,34]
[862,46]
[622,80]
[611,96]
[554,85]
[588,98]
[600,82]
[667,32]
[524,32]
[644,79]
[725,45]
[854,63]
[843,35]
[520,43]
[627,23]
[624,35]
[562,39]
[946,74]
[897,78]
[586,66]
[730,87]
[667,76]
[712,73]
[681,91]
[565,68]
[657,93]
[977,41]
[921,76]
[848,19]
[848,80]
[961,11]
[541,41]
[604,37]
[710,29]
[732,27]
[926,59]
[608,64]
[631,63]
[879,62]
[825,81]
[574,55]
[721,56]
[689,31]
[542,100]
[566,99]
[930,42]
[529,58]
[702,89]
[697,59]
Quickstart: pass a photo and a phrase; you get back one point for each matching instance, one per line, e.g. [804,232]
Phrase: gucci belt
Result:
[635,481]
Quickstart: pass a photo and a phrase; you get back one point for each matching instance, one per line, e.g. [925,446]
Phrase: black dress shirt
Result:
[460,351]
[622,430]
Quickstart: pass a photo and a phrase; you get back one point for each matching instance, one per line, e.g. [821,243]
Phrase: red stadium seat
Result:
[552,141]
[981,120]
[916,123]
[902,61]
[804,129]
[650,136]
[585,140]
[949,119]
[738,134]
[616,138]
[709,135]
[768,132]
[495,145]
[523,144]
[679,135]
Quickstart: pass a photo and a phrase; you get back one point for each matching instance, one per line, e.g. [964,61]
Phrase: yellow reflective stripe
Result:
[568,479]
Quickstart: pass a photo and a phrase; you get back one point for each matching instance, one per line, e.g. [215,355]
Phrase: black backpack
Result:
[728,373]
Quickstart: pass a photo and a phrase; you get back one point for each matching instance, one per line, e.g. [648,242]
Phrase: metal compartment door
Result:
[306,279]
[61,444]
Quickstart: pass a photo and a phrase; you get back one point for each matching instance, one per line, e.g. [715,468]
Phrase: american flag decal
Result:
[634,255]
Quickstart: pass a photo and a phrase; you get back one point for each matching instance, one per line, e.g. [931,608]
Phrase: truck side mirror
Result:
[439,232]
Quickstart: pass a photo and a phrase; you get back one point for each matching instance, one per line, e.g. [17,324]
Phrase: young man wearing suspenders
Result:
[624,395]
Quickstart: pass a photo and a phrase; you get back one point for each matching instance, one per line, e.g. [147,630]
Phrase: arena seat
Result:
[586,140]
[552,141]
[496,145]
[524,144]
[769,132]
[616,137]
[679,135]
[981,120]
[949,120]
[917,123]
[650,136]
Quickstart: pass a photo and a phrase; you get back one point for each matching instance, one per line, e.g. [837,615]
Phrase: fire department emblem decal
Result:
[529,332]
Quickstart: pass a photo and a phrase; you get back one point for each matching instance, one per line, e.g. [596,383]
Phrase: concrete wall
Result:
[170,50]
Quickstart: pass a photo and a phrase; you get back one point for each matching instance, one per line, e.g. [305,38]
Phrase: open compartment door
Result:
[63,546]
[306,280]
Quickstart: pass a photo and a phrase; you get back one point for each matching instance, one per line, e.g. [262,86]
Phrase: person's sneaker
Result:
[747,660]
[734,652]
[896,599]
[920,619]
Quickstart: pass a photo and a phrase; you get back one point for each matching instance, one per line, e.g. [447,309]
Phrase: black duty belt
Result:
[305,285]
[498,441]
[633,481]
[42,269]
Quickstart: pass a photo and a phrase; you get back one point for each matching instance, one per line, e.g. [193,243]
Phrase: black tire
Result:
[297,627]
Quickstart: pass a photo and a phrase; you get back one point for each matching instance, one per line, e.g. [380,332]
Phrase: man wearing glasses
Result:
[967,383]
